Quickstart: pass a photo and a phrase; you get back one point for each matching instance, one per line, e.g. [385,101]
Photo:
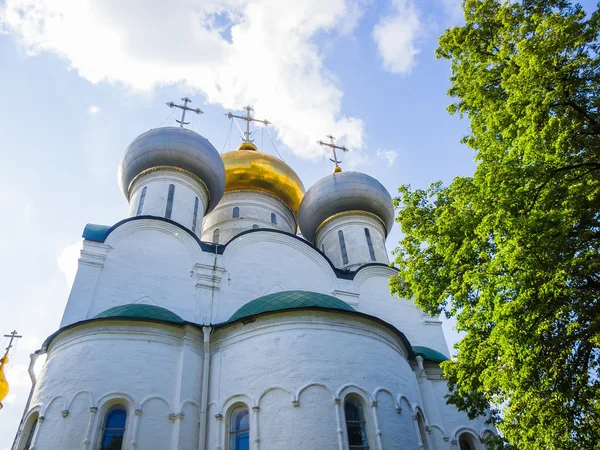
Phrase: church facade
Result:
[204,321]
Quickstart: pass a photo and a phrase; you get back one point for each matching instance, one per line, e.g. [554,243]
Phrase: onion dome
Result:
[248,169]
[344,192]
[178,149]
[289,300]
[3,382]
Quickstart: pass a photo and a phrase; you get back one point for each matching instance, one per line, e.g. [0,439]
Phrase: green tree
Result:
[513,251]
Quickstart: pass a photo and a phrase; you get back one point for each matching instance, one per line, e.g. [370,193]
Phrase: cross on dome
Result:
[248,118]
[337,168]
[184,108]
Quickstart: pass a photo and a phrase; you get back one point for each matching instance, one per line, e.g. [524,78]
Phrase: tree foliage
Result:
[513,251]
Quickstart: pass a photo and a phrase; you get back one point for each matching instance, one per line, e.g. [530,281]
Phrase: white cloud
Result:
[395,36]
[388,155]
[68,261]
[93,110]
[234,51]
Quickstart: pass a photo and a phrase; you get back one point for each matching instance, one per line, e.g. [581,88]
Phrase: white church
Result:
[233,310]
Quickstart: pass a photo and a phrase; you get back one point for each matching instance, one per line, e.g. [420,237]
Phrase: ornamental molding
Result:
[354,212]
[208,276]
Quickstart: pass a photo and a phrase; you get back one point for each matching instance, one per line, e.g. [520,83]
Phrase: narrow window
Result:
[236,212]
[370,244]
[216,236]
[170,201]
[113,429]
[195,218]
[323,247]
[464,442]
[31,432]
[274,218]
[423,432]
[142,198]
[343,247]
[239,429]
[356,425]
[254,227]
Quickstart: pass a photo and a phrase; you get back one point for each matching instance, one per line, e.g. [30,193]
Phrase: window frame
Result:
[343,250]
[195,216]
[366,422]
[170,199]
[28,431]
[370,244]
[106,410]
[228,425]
[140,207]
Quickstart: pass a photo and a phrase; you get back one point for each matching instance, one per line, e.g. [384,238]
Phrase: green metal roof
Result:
[141,311]
[281,301]
[93,232]
[429,354]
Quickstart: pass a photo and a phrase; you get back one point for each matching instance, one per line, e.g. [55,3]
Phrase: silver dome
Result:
[341,192]
[178,147]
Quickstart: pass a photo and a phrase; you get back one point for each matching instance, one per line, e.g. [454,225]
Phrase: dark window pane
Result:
[170,201]
[116,419]
[343,247]
[216,236]
[141,203]
[236,212]
[370,244]
[195,218]
[274,218]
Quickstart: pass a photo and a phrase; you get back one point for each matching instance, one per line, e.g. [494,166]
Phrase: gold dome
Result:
[3,382]
[247,168]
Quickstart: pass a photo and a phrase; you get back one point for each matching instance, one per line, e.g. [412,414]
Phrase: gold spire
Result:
[3,362]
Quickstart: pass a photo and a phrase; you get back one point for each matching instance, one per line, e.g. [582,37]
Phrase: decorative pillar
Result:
[219,418]
[376,423]
[88,433]
[256,409]
[136,424]
[340,431]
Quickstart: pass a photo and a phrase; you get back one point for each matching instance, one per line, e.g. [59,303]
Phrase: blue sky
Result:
[80,79]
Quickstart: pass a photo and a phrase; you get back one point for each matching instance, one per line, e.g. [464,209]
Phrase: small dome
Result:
[141,311]
[249,169]
[285,300]
[344,192]
[174,147]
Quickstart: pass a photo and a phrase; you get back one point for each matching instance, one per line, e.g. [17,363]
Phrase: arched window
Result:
[216,236]
[356,424]
[465,442]
[113,429]
[274,218]
[422,431]
[370,244]
[30,431]
[236,212]
[254,227]
[239,429]
[141,203]
[343,247]
[195,218]
[169,209]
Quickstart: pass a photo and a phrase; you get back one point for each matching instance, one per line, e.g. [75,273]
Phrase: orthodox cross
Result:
[248,119]
[334,147]
[12,337]
[184,108]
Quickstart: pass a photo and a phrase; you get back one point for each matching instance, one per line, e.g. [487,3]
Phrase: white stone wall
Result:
[353,228]
[187,189]
[150,369]
[154,262]
[255,208]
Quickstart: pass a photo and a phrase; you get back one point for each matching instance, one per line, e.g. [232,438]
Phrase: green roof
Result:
[429,354]
[93,232]
[141,311]
[281,301]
